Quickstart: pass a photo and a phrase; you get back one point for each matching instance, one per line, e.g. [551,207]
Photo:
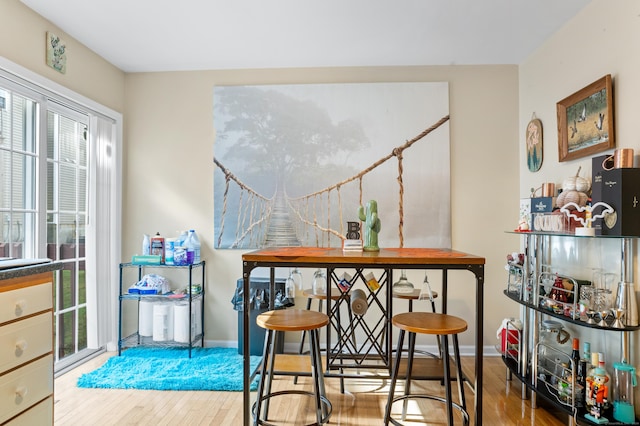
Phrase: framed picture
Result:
[56,56]
[585,121]
[534,144]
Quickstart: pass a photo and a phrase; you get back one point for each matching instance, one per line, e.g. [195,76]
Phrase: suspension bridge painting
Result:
[292,163]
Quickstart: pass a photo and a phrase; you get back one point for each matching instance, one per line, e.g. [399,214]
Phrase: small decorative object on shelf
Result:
[587,221]
[353,241]
[372,225]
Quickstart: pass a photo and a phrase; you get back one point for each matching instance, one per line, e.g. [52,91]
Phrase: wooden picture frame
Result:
[585,121]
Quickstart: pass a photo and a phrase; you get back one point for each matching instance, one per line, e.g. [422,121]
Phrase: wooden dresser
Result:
[26,345]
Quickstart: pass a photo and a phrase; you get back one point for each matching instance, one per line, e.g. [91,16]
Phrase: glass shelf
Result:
[566,234]
[515,298]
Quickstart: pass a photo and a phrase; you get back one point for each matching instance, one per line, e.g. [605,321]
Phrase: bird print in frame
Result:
[586,121]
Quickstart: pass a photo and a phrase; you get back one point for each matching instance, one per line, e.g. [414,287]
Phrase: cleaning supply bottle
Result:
[188,245]
[192,243]
[195,241]
[157,246]
[169,251]
[182,237]
[146,245]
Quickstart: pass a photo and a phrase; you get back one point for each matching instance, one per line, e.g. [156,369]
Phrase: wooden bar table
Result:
[386,260]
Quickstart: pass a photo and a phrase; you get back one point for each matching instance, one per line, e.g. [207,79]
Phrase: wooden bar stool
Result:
[311,296]
[415,295]
[442,325]
[291,320]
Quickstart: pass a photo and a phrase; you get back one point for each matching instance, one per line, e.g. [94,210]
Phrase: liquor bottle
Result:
[583,369]
[578,385]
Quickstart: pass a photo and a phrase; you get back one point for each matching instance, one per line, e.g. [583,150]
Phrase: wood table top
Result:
[389,256]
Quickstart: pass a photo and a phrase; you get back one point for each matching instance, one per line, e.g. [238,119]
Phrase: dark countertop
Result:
[24,270]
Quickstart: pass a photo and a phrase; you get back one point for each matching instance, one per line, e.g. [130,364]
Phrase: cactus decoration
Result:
[371,225]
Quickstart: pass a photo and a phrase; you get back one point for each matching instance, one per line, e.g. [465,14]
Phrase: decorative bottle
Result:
[577,373]
[598,382]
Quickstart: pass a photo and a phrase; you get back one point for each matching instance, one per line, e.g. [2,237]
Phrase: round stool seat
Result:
[413,295]
[309,294]
[429,323]
[292,320]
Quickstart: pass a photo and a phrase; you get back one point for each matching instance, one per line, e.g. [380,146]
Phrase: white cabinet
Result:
[26,349]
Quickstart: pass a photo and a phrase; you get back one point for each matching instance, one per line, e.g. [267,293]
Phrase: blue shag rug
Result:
[213,369]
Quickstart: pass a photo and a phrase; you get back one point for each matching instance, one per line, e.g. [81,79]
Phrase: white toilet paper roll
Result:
[359,302]
[181,323]
[162,322]
[145,318]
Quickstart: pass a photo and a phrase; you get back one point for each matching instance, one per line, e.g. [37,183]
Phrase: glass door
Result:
[66,200]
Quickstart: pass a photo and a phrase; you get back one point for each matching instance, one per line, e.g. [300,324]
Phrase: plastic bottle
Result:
[191,251]
[192,243]
[157,246]
[169,251]
[196,245]
[182,237]
[146,245]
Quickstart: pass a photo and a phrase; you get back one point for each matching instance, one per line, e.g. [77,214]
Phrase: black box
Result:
[596,186]
[621,190]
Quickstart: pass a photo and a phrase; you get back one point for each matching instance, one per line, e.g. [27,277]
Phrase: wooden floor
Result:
[362,404]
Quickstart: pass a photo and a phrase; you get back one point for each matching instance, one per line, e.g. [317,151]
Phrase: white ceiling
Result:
[172,35]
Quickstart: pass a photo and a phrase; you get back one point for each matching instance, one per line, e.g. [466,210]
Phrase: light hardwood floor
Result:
[362,404]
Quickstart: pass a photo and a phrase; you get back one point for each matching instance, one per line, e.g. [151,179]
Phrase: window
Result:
[18,174]
[56,149]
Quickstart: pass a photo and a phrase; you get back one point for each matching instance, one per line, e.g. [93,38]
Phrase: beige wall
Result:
[168,152]
[604,38]
[22,40]
[169,169]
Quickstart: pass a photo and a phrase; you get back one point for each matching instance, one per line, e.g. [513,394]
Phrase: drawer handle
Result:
[20,307]
[21,393]
[21,346]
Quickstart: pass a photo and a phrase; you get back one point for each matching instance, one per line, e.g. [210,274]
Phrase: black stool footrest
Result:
[465,414]
[323,400]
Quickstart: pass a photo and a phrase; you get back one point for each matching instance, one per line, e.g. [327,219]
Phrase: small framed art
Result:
[56,53]
[585,121]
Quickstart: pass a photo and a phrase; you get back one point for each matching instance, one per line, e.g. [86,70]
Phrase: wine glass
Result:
[425,290]
[319,285]
[297,277]
[290,288]
[403,285]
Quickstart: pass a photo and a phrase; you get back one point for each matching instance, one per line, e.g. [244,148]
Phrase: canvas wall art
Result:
[292,163]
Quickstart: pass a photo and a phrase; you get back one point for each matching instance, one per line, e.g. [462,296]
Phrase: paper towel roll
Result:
[196,309]
[181,323]
[145,318]
[359,302]
[162,322]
